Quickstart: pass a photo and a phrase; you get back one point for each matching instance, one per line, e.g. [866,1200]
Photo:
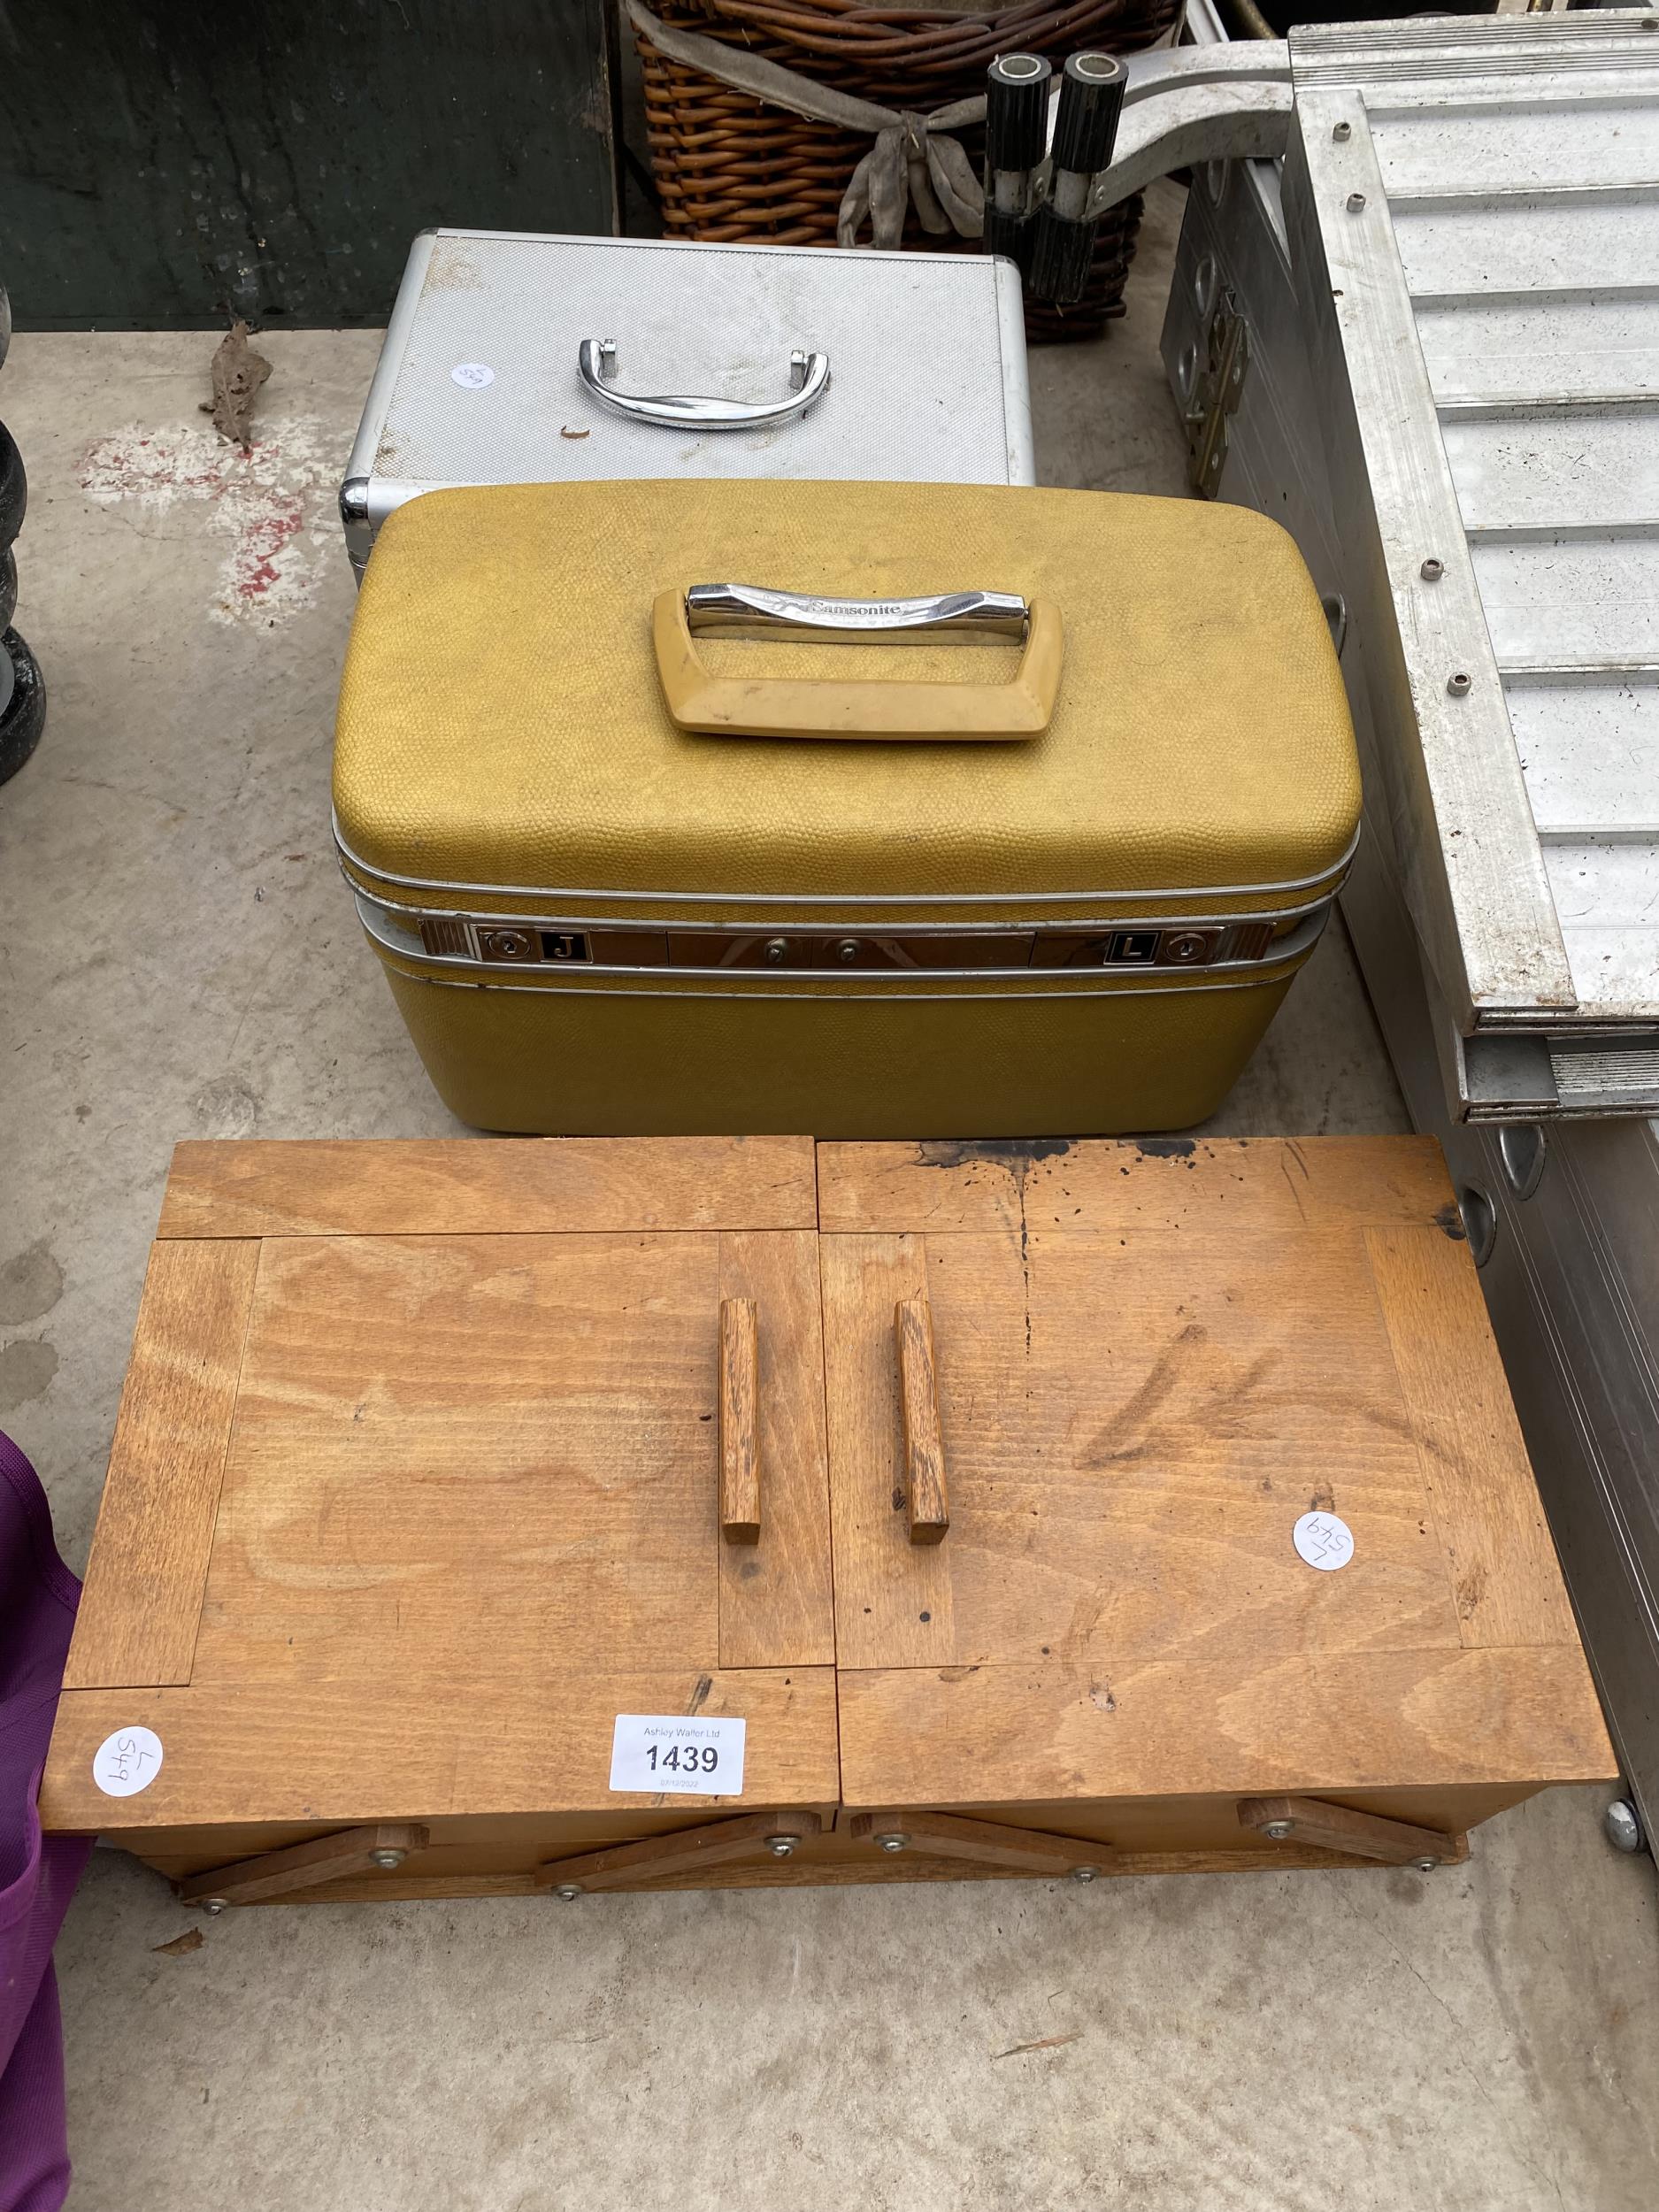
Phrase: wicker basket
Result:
[727,167]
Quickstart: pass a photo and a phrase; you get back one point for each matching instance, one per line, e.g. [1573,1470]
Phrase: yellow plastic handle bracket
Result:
[825,707]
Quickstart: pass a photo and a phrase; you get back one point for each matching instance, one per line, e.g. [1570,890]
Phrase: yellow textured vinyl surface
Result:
[586,1063]
[502,722]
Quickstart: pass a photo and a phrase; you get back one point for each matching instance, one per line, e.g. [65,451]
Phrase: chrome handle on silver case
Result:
[596,366]
[734,606]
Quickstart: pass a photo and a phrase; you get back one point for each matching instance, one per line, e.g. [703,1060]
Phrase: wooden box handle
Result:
[925,1503]
[739,1432]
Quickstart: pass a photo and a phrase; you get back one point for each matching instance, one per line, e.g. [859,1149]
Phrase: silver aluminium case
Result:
[925,354]
[1563,1214]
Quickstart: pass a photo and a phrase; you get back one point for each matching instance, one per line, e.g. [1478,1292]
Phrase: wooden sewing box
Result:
[968,1475]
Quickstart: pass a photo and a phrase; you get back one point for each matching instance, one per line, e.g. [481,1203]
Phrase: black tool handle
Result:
[1016,139]
[1084,132]
[1091,100]
[1062,255]
[1009,235]
[1016,113]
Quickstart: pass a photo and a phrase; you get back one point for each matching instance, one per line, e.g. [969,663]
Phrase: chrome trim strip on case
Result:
[756,925]
[873,998]
[1324,878]
[406,944]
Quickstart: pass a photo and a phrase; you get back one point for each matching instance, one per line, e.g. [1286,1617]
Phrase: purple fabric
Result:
[38,1596]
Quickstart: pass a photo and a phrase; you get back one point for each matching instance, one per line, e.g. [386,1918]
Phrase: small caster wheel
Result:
[8,588]
[1622,1824]
[22,703]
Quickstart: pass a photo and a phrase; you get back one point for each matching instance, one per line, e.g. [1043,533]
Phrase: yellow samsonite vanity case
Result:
[1043,863]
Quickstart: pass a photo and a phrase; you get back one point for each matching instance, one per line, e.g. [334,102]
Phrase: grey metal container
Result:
[481,379]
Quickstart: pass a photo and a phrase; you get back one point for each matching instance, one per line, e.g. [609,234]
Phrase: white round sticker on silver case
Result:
[1324,1540]
[472,375]
[127,1762]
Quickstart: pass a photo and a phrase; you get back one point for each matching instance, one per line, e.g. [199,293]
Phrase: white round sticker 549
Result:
[472,375]
[1323,1539]
[127,1762]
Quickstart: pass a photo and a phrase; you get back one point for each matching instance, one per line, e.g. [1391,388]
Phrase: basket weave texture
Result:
[728,166]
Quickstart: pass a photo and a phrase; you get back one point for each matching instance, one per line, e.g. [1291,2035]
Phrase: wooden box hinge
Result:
[986,1843]
[623,1865]
[277,1874]
[1361,1835]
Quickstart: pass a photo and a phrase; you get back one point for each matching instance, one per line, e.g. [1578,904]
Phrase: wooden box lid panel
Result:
[336,1754]
[1222,1184]
[441,1464]
[1437,1728]
[513,1440]
[1151,1360]
[483,1185]
[445,1446]
[143,1597]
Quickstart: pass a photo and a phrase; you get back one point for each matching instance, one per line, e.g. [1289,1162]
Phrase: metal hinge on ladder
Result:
[1218,387]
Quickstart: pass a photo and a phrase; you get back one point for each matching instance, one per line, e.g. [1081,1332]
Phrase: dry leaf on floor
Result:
[237,371]
[190,1940]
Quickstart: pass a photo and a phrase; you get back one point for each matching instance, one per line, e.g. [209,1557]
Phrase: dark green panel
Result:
[167,164]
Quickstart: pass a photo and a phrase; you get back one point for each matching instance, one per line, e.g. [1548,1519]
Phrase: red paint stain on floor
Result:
[274,503]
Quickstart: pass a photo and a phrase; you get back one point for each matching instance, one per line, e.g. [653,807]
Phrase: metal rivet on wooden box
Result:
[473,1507]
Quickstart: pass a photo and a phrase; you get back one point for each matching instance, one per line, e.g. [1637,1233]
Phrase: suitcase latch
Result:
[501,943]
[1160,948]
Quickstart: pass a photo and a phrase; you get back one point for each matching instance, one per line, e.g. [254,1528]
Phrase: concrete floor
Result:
[179,959]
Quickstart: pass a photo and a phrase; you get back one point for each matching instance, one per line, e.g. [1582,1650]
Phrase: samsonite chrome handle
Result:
[741,606]
[756,704]
[596,366]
